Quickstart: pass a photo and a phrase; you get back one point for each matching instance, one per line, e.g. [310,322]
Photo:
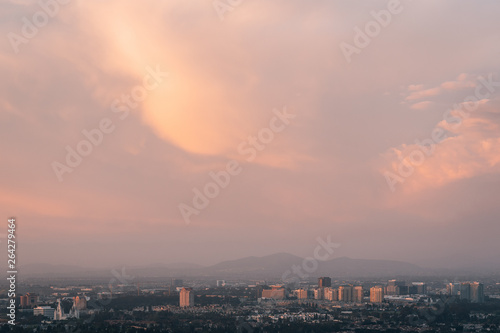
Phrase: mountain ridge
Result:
[251,267]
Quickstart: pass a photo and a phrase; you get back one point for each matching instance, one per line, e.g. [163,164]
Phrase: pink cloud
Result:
[460,83]
[415,87]
[424,93]
[418,91]
[422,105]
[472,149]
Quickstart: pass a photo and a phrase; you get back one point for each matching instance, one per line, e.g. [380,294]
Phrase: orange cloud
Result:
[207,105]
[472,149]
[418,91]
[424,93]
[422,105]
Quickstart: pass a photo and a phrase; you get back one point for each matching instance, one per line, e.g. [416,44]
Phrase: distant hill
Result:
[273,266]
[267,267]
[183,265]
[347,267]
[255,267]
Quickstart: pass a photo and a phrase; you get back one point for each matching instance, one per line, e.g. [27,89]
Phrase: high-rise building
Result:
[186,297]
[319,293]
[29,300]
[377,294]
[331,294]
[221,283]
[421,287]
[358,294]
[328,293]
[453,289]
[59,312]
[324,282]
[80,303]
[258,290]
[395,282]
[335,294]
[476,292]
[412,290]
[471,291]
[465,291]
[302,293]
[403,290]
[346,293]
[395,287]
[276,292]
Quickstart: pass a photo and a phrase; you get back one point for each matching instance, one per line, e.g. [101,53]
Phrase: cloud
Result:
[470,149]
[415,87]
[422,105]
[424,93]
[461,82]
[210,101]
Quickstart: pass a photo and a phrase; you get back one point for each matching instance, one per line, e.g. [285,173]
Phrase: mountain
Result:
[267,267]
[255,267]
[275,265]
[347,267]
[183,266]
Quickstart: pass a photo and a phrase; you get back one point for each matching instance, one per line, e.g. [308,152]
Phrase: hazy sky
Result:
[362,93]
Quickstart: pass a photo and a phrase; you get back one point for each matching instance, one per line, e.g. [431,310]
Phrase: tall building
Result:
[186,297]
[335,294]
[476,292]
[301,293]
[258,290]
[465,291]
[331,294]
[471,291]
[453,289]
[403,290]
[276,292]
[324,282]
[319,293]
[395,287]
[412,290]
[346,293]
[358,294]
[328,293]
[29,300]
[59,312]
[80,303]
[377,294]
[221,283]
[421,287]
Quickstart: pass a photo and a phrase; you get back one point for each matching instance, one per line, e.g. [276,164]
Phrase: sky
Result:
[144,132]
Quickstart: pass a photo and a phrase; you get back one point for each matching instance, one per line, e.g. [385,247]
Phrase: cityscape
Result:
[249,166]
[322,305]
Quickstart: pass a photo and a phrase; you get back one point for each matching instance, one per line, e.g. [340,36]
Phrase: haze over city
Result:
[116,115]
